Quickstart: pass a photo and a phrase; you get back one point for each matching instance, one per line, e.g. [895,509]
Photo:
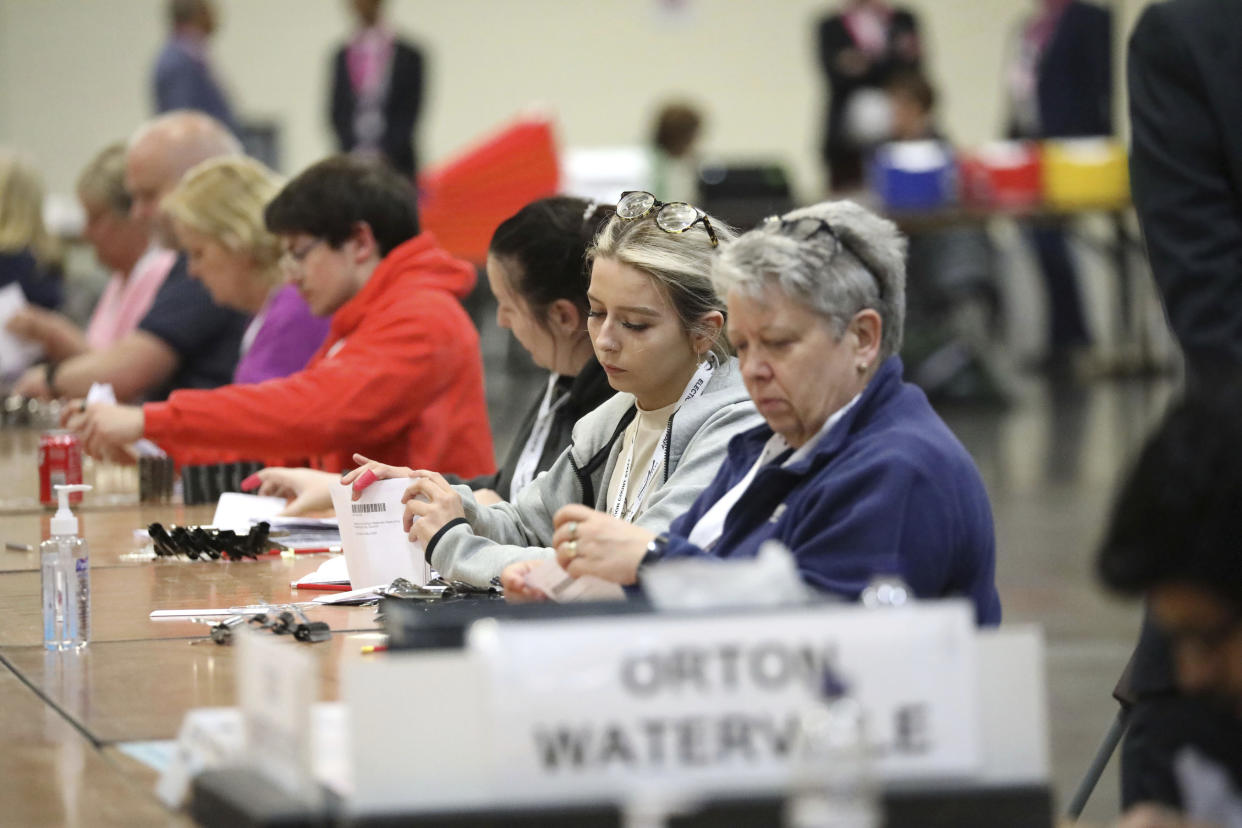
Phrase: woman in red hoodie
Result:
[400,371]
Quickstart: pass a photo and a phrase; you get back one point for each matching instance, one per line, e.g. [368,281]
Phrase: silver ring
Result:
[572,527]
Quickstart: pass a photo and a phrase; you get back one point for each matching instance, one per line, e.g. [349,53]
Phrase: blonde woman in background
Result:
[122,244]
[29,255]
[217,214]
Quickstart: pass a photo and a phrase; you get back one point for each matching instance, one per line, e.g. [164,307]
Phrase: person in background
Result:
[852,470]
[1172,538]
[183,76]
[121,243]
[859,48]
[29,256]
[646,453]
[377,91]
[217,214]
[952,299]
[1059,82]
[399,375]
[675,162]
[185,340]
[1186,177]
[537,270]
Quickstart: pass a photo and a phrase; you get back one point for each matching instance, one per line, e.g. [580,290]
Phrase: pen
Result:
[374,648]
[18,547]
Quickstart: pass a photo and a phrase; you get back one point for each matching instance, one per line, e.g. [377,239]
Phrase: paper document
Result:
[377,549]
[238,511]
[16,355]
[331,571]
[558,585]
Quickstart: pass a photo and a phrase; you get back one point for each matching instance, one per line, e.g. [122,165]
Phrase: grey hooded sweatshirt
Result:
[699,432]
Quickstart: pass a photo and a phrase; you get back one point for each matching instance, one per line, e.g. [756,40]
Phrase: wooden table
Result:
[64,713]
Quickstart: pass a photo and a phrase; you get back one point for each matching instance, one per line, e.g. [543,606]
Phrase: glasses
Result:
[671,217]
[806,228]
[292,259]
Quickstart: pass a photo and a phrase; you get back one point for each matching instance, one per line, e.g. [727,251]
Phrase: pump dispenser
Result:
[66,576]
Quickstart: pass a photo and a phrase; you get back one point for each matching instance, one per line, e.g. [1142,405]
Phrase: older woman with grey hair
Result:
[852,470]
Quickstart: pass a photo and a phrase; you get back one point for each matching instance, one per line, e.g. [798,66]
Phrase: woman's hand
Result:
[369,471]
[307,490]
[588,542]
[106,429]
[430,502]
[513,579]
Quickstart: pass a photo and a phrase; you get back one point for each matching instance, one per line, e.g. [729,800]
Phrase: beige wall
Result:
[73,73]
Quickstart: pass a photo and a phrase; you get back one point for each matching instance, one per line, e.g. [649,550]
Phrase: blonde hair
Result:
[21,212]
[102,180]
[223,198]
[679,263]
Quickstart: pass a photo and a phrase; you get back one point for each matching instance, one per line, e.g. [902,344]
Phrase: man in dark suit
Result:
[860,47]
[1185,57]
[183,77]
[1060,86]
[377,91]
[1186,171]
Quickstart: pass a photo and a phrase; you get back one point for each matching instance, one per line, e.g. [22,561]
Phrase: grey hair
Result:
[102,180]
[679,263]
[866,269]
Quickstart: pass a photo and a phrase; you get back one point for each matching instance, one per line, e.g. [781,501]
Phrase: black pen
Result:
[18,547]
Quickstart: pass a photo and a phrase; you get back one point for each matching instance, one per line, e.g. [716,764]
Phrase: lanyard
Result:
[528,461]
[697,383]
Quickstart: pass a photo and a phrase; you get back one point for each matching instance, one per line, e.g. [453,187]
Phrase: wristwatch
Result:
[655,549]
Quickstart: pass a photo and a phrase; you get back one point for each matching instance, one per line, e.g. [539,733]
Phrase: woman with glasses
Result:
[537,270]
[851,470]
[645,454]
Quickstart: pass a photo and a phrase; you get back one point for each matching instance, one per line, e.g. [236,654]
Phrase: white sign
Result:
[277,682]
[377,549]
[596,707]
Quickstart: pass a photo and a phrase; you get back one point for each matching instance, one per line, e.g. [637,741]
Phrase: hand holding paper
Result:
[430,503]
[377,549]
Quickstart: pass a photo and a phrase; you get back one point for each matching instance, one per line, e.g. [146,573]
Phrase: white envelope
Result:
[377,550]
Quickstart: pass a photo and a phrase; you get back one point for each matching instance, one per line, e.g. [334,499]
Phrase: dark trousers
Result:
[1067,323]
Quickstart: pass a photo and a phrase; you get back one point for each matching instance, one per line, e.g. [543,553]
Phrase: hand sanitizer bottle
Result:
[66,579]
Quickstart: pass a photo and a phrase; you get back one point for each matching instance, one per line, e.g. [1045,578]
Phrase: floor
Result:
[1051,460]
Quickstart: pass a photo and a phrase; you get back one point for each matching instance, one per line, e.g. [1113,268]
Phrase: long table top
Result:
[65,712]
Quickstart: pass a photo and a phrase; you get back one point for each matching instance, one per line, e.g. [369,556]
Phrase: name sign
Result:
[596,708]
[277,683]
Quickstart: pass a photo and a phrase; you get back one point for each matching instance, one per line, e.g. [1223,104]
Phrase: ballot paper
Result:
[331,571]
[16,355]
[237,511]
[560,586]
[377,549]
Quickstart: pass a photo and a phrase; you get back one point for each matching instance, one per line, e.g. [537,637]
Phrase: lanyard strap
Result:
[528,461]
[697,383]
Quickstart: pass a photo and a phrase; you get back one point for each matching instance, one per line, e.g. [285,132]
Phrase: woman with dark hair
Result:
[537,269]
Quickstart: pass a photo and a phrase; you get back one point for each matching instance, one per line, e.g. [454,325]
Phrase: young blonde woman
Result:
[645,454]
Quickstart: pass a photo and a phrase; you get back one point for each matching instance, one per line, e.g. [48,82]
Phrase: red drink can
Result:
[60,462]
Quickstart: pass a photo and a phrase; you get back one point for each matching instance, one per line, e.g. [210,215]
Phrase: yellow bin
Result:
[1085,173]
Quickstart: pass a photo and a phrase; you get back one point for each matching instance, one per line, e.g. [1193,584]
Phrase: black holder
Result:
[197,542]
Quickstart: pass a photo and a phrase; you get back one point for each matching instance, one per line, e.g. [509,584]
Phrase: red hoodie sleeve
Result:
[377,384]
